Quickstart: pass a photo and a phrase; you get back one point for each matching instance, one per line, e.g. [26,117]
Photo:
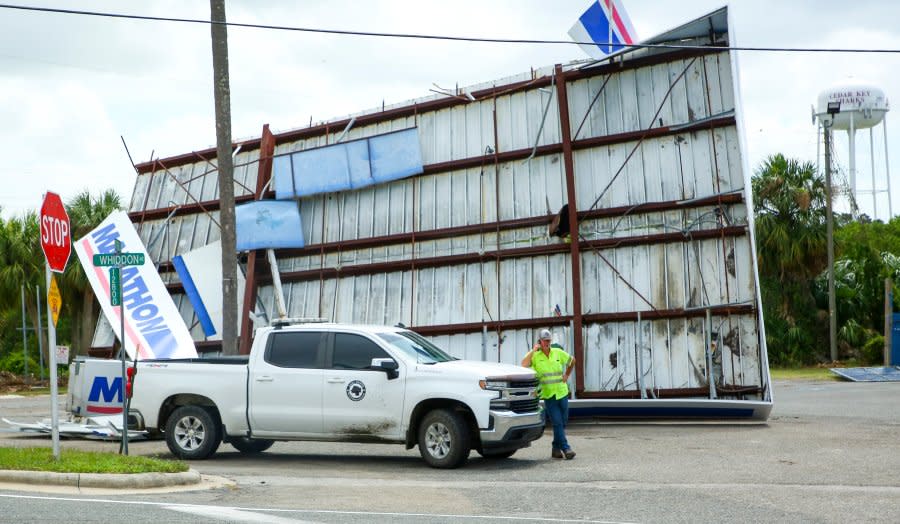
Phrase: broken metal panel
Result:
[141,186]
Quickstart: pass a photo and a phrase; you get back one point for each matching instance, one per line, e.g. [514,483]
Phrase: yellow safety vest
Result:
[550,370]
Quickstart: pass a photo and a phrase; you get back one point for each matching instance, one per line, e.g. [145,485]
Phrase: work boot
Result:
[557,454]
[569,454]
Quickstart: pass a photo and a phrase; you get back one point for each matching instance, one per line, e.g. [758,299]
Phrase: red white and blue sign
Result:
[154,327]
[603,29]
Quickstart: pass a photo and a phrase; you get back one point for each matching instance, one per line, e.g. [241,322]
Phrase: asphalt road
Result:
[829,453]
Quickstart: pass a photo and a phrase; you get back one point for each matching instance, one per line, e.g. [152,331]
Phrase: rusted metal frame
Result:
[644,134]
[467,258]
[216,168]
[444,103]
[478,161]
[591,318]
[721,216]
[143,212]
[670,314]
[499,326]
[672,392]
[476,327]
[264,173]
[574,245]
[470,258]
[481,228]
[188,193]
[503,225]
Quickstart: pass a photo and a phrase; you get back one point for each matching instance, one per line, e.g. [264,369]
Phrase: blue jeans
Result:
[558,411]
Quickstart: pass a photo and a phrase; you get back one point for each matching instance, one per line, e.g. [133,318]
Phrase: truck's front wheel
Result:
[192,433]
[444,439]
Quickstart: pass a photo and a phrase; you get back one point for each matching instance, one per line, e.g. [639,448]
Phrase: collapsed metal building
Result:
[609,201]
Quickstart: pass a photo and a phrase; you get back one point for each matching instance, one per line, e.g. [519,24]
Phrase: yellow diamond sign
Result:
[54,299]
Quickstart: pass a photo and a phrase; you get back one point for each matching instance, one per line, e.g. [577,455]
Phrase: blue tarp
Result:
[267,224]
[348,165]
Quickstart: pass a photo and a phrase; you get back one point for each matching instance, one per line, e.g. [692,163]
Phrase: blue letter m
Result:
[102,387]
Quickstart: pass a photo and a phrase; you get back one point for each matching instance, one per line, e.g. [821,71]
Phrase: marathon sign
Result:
[153,325]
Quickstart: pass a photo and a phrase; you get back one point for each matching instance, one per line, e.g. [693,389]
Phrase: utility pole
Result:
[222,95]
[829,219]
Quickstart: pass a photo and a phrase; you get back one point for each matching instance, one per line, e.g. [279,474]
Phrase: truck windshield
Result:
[417,346]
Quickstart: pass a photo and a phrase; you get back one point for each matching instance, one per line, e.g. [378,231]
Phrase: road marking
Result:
[188,508]
[234,515]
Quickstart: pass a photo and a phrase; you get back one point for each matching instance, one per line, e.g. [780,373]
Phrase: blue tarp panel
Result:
[348,165]
[882,374]
[267,224]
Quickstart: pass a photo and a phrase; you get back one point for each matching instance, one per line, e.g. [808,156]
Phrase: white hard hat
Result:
[545,334]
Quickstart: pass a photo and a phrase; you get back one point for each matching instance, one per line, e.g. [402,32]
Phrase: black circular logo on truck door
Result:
[356,390]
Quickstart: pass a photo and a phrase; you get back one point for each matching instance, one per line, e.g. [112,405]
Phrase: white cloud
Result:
[67,98]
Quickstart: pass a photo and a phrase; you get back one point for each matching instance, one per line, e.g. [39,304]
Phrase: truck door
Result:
[285,392]
[361,401]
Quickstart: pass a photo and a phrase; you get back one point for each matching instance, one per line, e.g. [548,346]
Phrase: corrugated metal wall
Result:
[662,133]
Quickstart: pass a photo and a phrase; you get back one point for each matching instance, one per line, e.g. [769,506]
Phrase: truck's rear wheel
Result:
[444,439]
[251,445]
[192,433]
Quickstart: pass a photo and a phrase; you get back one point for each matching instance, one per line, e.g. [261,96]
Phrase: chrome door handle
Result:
[336,380]
[264,379]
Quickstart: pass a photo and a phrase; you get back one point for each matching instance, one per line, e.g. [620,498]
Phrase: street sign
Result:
[62,355]
[56,240]
[54,299]
[119,259]
[115,287]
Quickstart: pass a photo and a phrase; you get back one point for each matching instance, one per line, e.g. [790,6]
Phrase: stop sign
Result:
[55,238]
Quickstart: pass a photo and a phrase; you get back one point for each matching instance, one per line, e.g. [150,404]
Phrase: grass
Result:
[803,374]
[75,461]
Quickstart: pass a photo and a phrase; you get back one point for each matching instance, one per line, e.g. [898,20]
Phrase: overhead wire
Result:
[421,36]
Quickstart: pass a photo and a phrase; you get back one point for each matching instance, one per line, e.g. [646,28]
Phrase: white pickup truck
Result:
[336,382]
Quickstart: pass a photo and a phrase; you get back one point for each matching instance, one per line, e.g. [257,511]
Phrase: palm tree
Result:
[85,213]
[789,198]
[21,263]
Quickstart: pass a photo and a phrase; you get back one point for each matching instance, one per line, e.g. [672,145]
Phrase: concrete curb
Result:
[102,480]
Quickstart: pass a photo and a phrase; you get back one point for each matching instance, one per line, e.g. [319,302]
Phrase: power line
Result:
[441,37]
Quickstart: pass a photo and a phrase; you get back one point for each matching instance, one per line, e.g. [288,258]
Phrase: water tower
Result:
[850,106]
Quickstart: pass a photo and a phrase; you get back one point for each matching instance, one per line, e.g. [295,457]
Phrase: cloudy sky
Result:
[71,85]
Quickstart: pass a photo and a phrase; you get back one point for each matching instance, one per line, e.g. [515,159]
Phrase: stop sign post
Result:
[56,241]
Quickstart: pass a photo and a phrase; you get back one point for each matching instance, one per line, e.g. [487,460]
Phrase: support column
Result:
[263,176]
[575,253]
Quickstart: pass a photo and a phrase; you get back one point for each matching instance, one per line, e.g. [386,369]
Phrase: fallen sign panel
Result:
[874,374]
[103,428]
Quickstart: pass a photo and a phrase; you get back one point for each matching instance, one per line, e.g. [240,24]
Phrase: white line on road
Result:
[171,506]
[234,515]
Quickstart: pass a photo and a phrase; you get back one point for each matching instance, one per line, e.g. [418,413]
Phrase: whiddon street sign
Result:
[120,259]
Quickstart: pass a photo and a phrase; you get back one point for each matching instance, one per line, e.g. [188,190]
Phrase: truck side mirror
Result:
[388,365]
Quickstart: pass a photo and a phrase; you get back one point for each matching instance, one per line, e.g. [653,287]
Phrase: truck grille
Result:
[524,406]
[533,383]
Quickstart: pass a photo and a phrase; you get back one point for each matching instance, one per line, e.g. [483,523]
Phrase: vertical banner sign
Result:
[154,327]
[57,246]
[54,300]
[115,286]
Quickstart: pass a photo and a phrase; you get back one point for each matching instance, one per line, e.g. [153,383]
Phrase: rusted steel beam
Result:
[475,327]
[572,207]
[671,392]
[668,314]
[467,163]
[471,258]
[263,175]
[438,104]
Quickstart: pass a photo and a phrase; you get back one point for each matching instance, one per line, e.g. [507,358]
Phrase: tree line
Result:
[789,199]
[22,264]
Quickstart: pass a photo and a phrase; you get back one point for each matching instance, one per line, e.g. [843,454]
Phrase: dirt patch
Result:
[12,383]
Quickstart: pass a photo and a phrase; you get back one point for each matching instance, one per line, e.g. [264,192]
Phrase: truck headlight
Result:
[493,385]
